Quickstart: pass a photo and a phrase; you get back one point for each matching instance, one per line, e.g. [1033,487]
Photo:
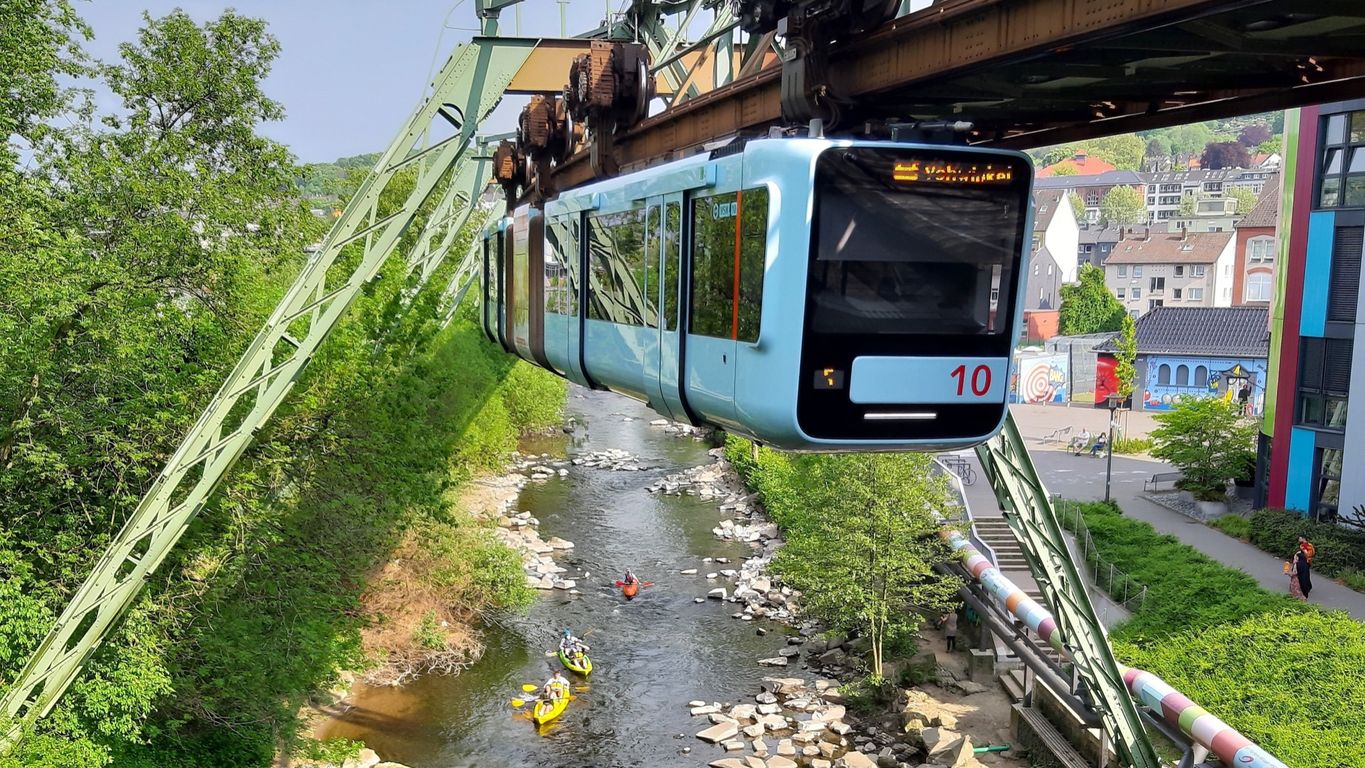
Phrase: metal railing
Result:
[1121,588]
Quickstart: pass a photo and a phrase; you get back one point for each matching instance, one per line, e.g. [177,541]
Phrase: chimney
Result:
[1079,157]
[1184,235]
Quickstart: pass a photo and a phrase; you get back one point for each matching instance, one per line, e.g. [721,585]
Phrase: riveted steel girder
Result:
[464,93]
[1028,510]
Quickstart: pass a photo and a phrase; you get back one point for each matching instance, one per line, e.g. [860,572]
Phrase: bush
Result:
[1131,445]
[1233,525]
[1354,579]
[1208,440]
[1277,531]
[1289,682]
[1185,589]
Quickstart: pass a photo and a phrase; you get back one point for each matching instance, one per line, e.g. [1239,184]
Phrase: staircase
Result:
[996,533]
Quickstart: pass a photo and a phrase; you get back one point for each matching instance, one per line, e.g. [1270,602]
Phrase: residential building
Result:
[1253,265]
[1165,190]
[1080,164]
[1194,352]
[1095,243]
[1314,430]
[1052,256]
[1091,189]
[1211,214]
[1183,269]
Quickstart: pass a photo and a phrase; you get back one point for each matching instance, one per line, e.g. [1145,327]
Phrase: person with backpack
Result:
[1307,548]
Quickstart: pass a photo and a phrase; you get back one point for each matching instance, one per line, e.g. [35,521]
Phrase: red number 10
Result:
[981,379]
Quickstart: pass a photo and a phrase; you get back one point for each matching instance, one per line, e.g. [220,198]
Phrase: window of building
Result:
[1170,187]
[1261,250]
[1163,375]
[1328,490]
[1201,376]
[1092,198]
[1182,376]
[720,225]
[1035,270]
[1137,270]
[1179,270]
[1343,162]
[1156,284]
[1123,270]
[1154,303]
[1049,270]
[1324,378]
[1137,292]
[1344,287]
[1121,293]
[1196,294]
[1151,201]
[1175,293]
[1213,186]
[1197,270]
[1258,287]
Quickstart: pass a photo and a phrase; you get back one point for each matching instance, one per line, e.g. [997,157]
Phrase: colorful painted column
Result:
[1221,739]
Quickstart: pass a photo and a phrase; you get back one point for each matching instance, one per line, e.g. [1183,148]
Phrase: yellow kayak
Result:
[546,711]
[568,662]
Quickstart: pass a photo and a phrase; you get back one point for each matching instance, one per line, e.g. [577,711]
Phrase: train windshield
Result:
[909,242]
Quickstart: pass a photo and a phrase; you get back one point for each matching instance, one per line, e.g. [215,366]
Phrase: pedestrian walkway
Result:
[1082,477]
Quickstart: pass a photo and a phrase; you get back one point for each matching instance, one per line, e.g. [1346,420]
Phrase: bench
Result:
[1058,435]
[1159,478]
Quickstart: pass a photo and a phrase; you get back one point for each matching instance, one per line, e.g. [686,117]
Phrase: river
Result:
[651,655]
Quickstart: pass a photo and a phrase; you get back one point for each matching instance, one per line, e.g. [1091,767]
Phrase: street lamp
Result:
[1113,401]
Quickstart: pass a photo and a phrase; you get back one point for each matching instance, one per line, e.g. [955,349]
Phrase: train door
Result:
[653,264]
[670,333]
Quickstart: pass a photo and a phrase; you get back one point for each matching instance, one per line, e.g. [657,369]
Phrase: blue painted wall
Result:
[1161,397]
[1317,272]
[1298,488]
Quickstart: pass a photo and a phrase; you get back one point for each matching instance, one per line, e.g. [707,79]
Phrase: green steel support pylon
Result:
[463,94]
[1028,510]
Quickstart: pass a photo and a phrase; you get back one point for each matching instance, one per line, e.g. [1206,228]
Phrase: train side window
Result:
[561,266]
[729,239]
[616,266]
[651,286]
[672,242]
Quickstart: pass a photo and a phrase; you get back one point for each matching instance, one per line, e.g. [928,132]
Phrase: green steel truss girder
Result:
[471,176]
[1028,510]
[463,94]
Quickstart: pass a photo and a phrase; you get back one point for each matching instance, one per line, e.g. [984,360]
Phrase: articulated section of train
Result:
[811,294]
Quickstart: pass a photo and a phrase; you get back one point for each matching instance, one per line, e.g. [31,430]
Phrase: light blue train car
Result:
[811,294]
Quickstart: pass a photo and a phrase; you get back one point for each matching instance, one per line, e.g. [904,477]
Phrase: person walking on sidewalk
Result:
[1300,575]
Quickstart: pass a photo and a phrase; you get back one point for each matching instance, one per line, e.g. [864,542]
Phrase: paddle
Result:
[620,583]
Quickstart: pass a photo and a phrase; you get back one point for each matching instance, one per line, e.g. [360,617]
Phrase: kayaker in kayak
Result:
[556,687]
[572,646]
[630,578]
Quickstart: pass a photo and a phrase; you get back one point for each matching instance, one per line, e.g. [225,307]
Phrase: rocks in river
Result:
[702,708]
[776,661]
[719,593]
[688,572]
[719,732]
[766,697]
[612,459]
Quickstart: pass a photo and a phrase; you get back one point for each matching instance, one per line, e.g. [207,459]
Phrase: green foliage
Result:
[1337,549]
[1353,579]
[1208,440]
[1271,146]
[1246,199]
[137,261]
[1125,357]
[39,47]
[1088,306]
[1186,589]
[1131,445]
[1184,139]
[861,536]
[1124,151]
[867,696]
[329,182]
[1235,526]
[429,633]
[1122,207]
[1157,147]
[1289,682]
[1188,203]
[1065,170]
[1077,206]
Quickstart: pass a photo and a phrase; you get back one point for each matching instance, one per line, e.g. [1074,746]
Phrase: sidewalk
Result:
[1082,477]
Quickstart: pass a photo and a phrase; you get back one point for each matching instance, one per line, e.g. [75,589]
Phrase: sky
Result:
[350,71]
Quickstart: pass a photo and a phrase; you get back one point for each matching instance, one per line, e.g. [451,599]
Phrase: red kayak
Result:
[631,589]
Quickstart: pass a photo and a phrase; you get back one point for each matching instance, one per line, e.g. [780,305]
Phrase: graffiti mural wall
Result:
[1171,378]
[1040,379]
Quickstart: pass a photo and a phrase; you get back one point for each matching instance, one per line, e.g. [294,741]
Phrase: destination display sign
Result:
[939,171]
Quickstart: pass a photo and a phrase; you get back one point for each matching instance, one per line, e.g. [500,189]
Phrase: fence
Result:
[1122,588]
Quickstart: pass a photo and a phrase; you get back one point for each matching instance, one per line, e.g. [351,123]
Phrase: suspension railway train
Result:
[812,294]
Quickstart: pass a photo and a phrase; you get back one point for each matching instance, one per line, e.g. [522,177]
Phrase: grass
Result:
[1354,579]
[1132,445]
[1235,526]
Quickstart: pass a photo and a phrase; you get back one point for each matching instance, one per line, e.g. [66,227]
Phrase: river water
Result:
[651,655]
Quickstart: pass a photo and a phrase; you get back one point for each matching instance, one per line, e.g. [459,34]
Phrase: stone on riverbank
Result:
[719,732]
[776,661]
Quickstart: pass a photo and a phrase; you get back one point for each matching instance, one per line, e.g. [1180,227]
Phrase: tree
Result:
[1253,135]
[1270,146]
[1157,147]
[39,47]
[1188,205]
[1124,151]
[1088,306]
[1065,170]
[865,562]
[1224,154]
[1246,199]
[1121,207]
[1077,206]
[1125,358]
[1208,440]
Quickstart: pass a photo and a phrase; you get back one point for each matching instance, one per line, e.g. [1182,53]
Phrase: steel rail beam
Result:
[955,40]
[473,80]
[1028,510]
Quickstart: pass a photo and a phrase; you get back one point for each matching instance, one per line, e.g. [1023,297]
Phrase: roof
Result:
[1079,165]
[1223,331]
[1094,235]
[1107,179]
[1171,248]
[1046,202]
[1266,212]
